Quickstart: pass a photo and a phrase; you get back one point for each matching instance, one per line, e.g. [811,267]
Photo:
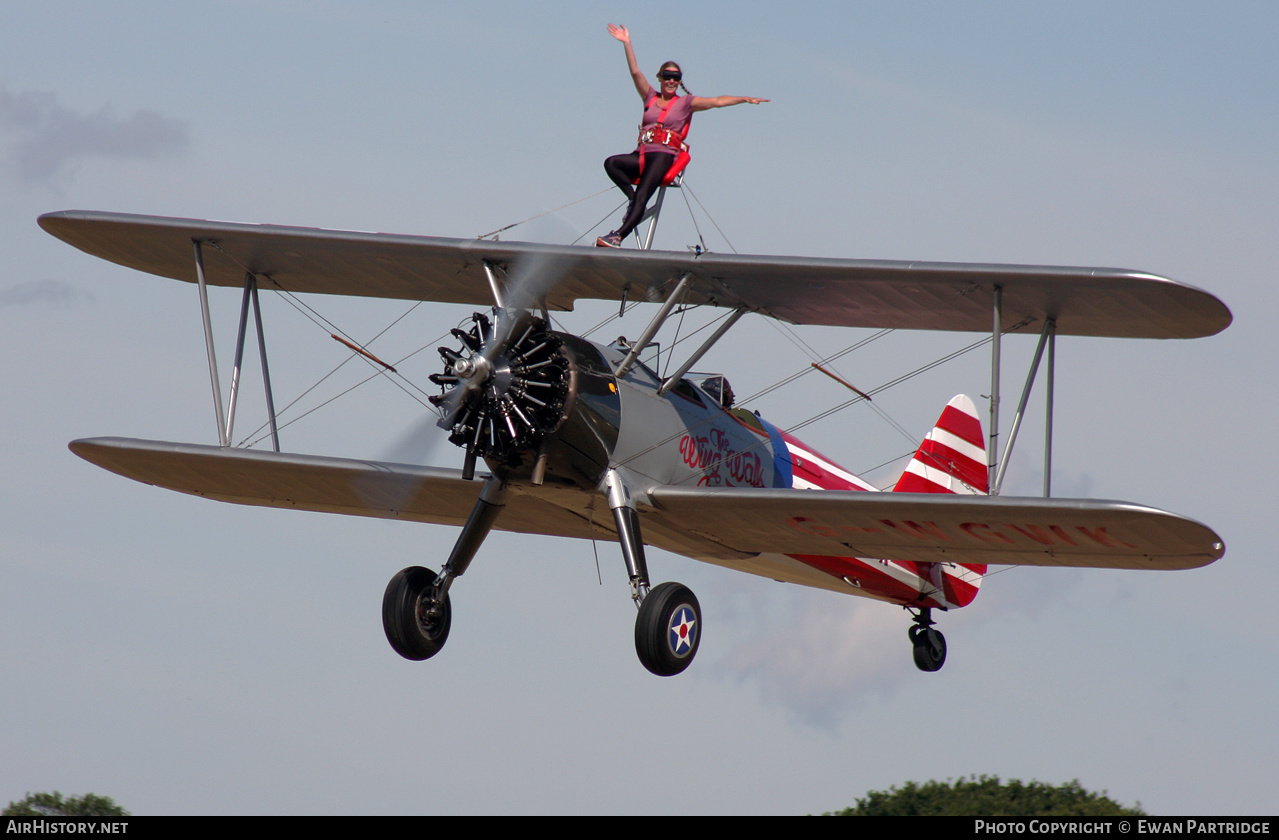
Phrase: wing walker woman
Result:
[662,152]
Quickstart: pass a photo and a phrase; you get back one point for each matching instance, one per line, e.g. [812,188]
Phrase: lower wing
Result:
[716,524]
[316,483]
[930,528]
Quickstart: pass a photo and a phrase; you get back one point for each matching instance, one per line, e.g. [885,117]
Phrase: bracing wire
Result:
[546,213]
[310,410]
[795,338]
[377,372]
[709,216]
[841,406]
[904,377]
[399,381]
[313,315]
[696,226]
[824,361]
[597,224]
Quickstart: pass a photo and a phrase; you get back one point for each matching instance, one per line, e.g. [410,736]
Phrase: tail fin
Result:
[952,458]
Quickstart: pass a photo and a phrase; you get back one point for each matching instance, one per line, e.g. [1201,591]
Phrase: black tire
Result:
[668,629]
[410,633]
[930,648]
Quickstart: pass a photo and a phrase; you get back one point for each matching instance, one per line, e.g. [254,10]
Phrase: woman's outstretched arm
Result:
[703,103]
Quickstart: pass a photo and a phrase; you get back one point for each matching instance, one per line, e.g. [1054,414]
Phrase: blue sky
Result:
[185,656]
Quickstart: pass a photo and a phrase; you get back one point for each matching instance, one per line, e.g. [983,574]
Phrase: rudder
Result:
[951,459]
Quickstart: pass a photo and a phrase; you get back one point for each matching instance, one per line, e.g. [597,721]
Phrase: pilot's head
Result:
[719,389]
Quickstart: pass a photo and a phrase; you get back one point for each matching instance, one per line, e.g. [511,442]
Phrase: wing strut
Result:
[675,377]
[226,421]
[998,464]
[251,293]
[494,284]
[208,342]
[1048,332]
[653,212]
[992,449]
[653,326]
[1048,410]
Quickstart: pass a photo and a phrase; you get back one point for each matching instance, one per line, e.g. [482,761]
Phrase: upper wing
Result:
[925,527]
[849,293]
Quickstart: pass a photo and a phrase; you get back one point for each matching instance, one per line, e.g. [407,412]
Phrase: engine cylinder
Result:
[509,387]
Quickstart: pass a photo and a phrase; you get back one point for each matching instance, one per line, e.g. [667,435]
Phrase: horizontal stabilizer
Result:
[931,528]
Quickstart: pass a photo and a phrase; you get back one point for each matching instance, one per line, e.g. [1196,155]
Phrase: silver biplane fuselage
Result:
[683,437]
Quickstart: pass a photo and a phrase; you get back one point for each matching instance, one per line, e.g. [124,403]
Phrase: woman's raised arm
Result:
[641,84]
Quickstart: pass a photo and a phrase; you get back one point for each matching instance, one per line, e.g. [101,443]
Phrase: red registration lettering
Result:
[979,530]
[1100,536]
[925,531]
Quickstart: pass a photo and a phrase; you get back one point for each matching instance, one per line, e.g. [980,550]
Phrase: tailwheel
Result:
[929,645]
[668,629]
[416,624]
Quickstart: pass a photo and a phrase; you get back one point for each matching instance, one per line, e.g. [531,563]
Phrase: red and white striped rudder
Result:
[952,458]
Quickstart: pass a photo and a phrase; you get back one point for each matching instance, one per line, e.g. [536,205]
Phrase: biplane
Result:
[564,427]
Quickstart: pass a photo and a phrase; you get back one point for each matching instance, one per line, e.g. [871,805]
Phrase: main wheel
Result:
[930,648]
[411,631]
[668,629]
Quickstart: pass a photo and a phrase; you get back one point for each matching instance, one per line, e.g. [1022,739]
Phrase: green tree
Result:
[54,805]
[986,796]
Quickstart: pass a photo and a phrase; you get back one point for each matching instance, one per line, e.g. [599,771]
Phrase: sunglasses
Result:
[671,75]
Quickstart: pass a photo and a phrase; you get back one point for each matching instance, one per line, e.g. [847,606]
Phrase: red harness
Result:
[660,134]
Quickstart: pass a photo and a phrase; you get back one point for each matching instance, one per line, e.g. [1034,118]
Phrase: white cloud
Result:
[32,291]
[44,137]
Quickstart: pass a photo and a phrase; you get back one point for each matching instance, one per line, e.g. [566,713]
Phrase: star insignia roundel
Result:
[682,632]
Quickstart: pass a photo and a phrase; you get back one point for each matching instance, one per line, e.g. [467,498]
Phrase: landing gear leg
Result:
[929,644]
[668,628]
[628,534]
[416,613]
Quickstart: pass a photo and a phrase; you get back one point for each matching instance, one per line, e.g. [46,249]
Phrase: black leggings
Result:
[623,169]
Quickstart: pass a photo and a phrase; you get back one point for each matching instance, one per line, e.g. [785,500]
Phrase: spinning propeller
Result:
[507,385]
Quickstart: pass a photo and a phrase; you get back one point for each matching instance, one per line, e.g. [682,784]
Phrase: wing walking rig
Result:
[561,423]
